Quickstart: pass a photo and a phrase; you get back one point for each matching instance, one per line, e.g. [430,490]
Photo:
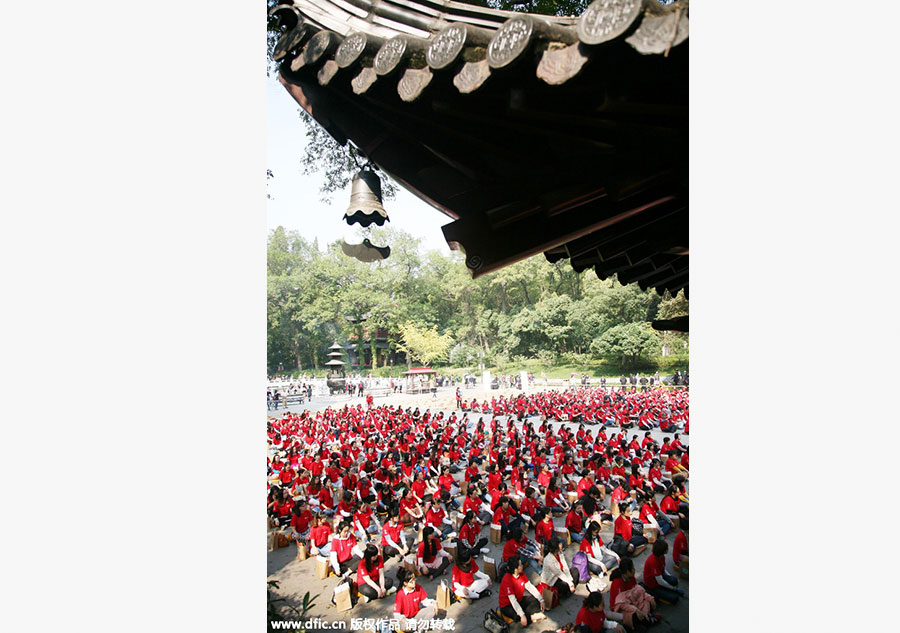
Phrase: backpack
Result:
[637,526]
[579,565]
[494,623]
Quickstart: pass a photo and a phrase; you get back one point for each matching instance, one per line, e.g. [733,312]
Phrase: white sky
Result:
[296,203]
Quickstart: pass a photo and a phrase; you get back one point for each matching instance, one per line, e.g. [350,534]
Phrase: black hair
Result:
[626,564]
[404,574]
[512,563]
[593,600]
[552,546]
[660,547]
[430,546]
[370,557]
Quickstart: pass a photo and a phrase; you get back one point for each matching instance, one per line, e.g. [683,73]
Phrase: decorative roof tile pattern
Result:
[561,135]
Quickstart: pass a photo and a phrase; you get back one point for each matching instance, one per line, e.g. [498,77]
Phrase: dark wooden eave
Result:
[561,135]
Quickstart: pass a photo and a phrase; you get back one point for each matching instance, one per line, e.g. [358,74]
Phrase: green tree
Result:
[627,342]
[423,344]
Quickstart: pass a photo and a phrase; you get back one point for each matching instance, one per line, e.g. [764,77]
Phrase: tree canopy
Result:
[427,304]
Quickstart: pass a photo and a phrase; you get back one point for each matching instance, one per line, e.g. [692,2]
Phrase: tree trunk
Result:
[297,356]
[374,352]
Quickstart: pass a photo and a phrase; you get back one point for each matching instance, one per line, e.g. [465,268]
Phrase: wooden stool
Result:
[505,617]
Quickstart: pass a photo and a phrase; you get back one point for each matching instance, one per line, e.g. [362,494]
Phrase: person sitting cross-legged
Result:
[468,581]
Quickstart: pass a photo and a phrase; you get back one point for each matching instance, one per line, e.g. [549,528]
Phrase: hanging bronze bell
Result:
[366,252]
[365,200]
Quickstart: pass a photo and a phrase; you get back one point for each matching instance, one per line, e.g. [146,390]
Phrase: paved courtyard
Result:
[297,578]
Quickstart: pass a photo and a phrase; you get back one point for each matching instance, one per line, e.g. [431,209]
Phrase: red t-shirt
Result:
[392,531]
[470,532]
[435,516]
[573,522]
[319,534]
[653,567]
[668,505]
[623,527]
[407,604]
[511,548]
[465,578]
[361,571]
[342,547]
[617,586]
[473,504]
[364,518]
[326,498]
[543,531]
[511,585]
[301,522]
[421,552]
[679,547]
[528,506]
[587,546]
[592,619]
[502,515]
[553,497]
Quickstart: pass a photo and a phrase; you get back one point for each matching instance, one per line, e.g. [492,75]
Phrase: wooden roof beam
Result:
[487,249]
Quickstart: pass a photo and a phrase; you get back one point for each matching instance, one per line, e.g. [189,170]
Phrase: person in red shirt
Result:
[410,510]
[528,508]
[320,535]
[326,497]
[554,498]
[344,549]
[630,599]
[655,477]
[651,516]
[474,504]
[370,576]
[431,559]
[447,483]
[575,522]
[300,520]
[506,516]
[513,600]
[680,548]
[631,544]
[592,618]
[543,528]
[281,508]
[470,540]
[673,465]
[673,508]
[393,540]
[526,550]
[600,558]
[468,582]
[436,517]
[408,603]
[587,480]
[365,522]
[346,506]
[656,581]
